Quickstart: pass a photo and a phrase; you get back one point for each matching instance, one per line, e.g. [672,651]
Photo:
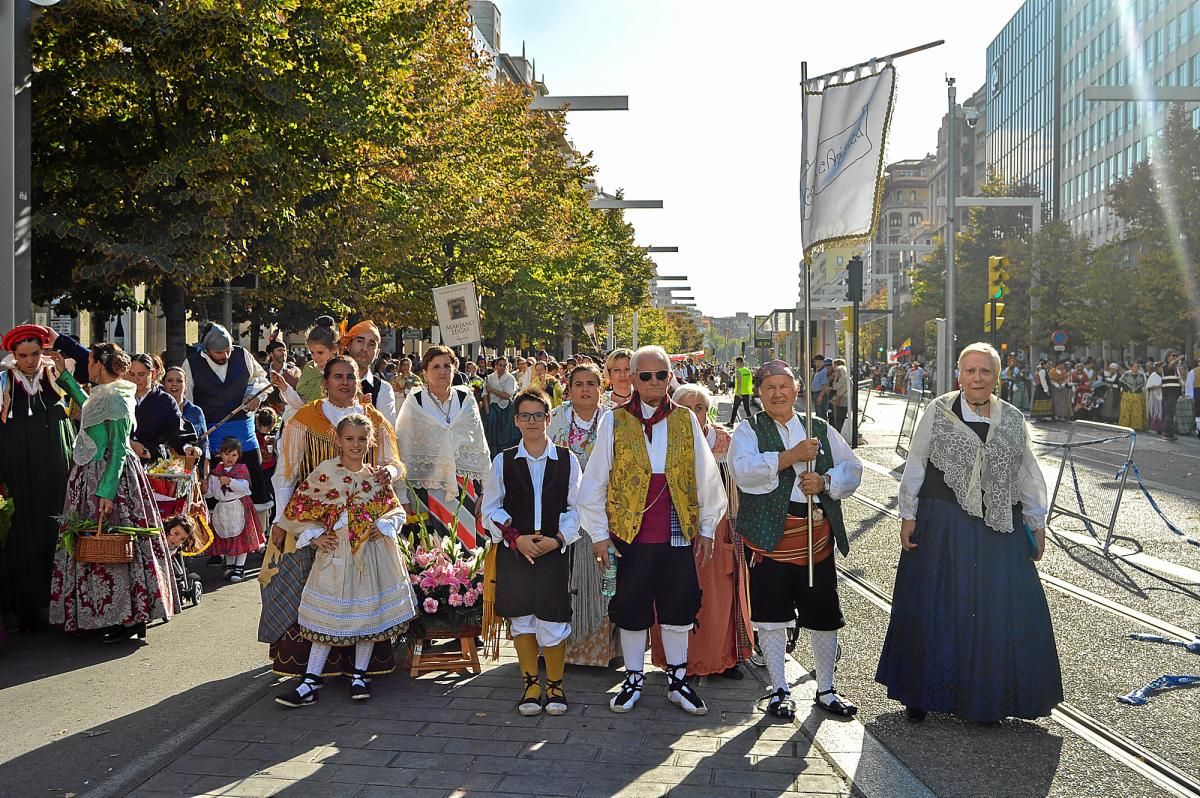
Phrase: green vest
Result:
[761,516]
[745,381]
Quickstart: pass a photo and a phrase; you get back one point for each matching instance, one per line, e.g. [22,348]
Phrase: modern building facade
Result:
[1023,120]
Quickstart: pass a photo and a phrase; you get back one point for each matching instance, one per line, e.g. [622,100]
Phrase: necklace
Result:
[443,409]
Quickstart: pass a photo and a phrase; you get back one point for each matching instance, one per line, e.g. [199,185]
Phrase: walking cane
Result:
[234,412]
[808,398]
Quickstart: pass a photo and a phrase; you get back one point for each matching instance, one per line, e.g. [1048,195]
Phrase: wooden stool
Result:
[466,659]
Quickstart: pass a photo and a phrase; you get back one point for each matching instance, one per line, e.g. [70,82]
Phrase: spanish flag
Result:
[905,349]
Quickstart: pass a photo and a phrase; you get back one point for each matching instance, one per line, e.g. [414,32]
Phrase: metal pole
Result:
[854,382]
[22,184]
[10,313]
[995,345]
[612,333]
[946,369]
[808,398]
[635,329]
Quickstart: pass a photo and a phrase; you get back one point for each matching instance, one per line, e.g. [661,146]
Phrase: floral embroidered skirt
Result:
[89,596]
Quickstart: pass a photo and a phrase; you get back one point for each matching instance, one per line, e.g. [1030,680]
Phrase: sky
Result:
[713,126]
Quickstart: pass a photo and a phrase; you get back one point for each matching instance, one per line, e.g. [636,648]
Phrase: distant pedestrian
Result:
[1173,377]
[1154,403]
[1193,391]
[1133,398]
[743,389]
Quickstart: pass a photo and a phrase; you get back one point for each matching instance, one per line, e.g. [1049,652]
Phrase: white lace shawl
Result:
[985,477]
[114,401]
[433,453]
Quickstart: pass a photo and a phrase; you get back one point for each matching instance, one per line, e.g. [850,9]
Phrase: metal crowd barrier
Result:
[1088,501]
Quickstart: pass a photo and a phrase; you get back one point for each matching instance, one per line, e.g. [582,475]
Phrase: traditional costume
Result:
[307,441]
[534,495]
[311,386]
[160,427]
[1060,393]
[970,631]
[234,519]
[722,636]
[773,521]
[374,387]
[1042,406]
[593,640]
[501,432]
[1133,400]
[1172,389]
[1154,403]
[359,594]
[91,596]
[36,436]
[221,388]
[442,440]
[650,488]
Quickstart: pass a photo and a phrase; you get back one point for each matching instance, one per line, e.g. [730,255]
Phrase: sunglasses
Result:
[538,416]
[646,376]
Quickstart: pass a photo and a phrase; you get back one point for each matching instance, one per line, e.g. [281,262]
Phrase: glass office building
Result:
[1040,127]
[1136,43]
[1023,124]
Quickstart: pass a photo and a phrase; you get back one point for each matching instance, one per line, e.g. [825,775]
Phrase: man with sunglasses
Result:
[652,496]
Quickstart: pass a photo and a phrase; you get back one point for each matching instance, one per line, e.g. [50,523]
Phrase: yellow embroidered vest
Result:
[629,480]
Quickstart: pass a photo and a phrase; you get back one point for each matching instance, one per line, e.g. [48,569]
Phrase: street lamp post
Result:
[946,368]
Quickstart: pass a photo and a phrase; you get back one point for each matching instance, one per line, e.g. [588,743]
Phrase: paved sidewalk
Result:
[442,735]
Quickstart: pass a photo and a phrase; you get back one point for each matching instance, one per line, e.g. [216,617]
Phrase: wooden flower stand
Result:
[465,659]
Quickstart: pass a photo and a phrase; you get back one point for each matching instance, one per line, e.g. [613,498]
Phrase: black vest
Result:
[518,490]
[217,399]
[372,389]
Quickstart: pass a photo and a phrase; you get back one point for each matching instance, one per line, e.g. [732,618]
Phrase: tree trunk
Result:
[99,327]
[498,341]
[174,299]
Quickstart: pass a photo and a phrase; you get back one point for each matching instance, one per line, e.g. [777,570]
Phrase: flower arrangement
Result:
[447,578]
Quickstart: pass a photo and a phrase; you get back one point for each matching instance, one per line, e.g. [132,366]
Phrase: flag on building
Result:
[844,119]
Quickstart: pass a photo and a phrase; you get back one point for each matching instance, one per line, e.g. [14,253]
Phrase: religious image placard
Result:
[458,314]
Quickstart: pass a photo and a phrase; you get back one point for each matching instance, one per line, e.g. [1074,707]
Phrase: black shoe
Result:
[914,715]
[556,699]
[631,692]
[781,705]
[236,574]
[681,693]
[304,694]
[359,691]
[734,673]
[122,633]
[839,706]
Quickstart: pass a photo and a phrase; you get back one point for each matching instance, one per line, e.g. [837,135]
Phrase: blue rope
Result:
[1079,498]
[1137,473]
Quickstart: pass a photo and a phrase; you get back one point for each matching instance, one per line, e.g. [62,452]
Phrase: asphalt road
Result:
[79,716]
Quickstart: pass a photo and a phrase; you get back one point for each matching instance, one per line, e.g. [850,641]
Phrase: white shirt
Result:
[757,472]
[255,381]
[1034,498]
[916,379]
[493,494]
[593,491]
[389,525]
[505,384]
[443,412]
[386,403]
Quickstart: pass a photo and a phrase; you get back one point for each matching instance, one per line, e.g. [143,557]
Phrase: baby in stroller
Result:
[180,532]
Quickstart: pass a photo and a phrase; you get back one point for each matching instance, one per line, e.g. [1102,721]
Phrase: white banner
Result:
[458,314]
[845,132]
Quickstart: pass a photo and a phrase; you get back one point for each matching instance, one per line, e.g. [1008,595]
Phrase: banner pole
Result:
[807,366]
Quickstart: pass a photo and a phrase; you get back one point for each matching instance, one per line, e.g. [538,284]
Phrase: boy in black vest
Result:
[529,507]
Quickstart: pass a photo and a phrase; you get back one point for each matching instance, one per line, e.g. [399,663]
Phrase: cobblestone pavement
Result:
[449,736]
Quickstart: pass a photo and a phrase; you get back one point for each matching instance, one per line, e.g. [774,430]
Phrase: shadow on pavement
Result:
[437,736]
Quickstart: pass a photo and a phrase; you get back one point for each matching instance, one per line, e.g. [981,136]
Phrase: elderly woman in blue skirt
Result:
[970,631]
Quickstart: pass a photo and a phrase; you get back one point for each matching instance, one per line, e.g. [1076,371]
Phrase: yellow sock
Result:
[527,658]
[556,661]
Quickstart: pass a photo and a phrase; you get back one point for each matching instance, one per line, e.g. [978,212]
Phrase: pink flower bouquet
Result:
[447,578]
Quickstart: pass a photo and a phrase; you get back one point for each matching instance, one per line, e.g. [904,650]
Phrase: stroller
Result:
[177,494]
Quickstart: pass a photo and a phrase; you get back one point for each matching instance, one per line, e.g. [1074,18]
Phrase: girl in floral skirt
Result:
[358,592]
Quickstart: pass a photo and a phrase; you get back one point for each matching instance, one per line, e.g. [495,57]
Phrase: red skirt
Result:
[251,539]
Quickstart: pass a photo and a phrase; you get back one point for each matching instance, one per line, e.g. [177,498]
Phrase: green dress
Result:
[35,455]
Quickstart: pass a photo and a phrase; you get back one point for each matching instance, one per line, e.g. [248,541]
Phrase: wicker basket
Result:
[103,549]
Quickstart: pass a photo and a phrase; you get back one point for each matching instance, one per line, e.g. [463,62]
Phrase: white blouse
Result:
[757,472]
[505,384]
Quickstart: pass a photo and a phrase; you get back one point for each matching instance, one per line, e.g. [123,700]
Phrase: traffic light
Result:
[854,279]
[848,320]
[997,276]
[987,316]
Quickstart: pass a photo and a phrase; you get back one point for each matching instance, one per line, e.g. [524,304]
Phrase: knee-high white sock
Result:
[773,643]
[824,646]
[229,559]
[241,559]
[362,655]
[633,649]
[317,656]
[675,645]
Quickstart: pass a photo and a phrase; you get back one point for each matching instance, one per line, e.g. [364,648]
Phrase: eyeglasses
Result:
[538,416]
[646,376]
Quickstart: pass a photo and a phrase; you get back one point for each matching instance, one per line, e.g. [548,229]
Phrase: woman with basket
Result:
[112,582]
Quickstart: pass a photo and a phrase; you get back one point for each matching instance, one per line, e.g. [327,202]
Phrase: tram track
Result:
[1101,736]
